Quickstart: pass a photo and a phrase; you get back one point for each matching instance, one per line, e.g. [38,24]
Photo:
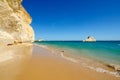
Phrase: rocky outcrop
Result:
[14,23]
[90,39]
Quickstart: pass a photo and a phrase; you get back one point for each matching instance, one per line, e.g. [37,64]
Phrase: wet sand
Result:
[31,62]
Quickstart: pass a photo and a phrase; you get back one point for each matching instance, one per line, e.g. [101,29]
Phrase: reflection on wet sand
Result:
[13,59]
[27,62]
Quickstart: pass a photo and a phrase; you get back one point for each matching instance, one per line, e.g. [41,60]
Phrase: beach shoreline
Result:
[97,66]
[41,62]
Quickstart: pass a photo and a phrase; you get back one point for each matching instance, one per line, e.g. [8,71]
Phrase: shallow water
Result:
[27,62]
[104,51]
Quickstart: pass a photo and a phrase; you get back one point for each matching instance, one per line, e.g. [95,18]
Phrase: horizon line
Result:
[77,40]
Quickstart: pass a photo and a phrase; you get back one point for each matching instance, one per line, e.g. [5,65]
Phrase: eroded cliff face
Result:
[14,23]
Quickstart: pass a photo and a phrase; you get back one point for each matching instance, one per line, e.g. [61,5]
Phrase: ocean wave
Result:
[116,73]
[68,58]
[98,69]
[43,46]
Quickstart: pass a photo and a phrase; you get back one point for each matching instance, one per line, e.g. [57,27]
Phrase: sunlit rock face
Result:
[90,39]
[14,23]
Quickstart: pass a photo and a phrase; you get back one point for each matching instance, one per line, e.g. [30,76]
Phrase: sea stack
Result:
[90,39]
[14,23]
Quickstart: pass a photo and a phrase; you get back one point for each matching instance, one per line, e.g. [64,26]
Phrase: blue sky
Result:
[74,19]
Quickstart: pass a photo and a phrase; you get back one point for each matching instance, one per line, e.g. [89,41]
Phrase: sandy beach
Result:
[32,62]
[62,40]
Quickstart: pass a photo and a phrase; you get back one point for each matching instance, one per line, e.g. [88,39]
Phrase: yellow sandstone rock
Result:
[14,23]
[90,39]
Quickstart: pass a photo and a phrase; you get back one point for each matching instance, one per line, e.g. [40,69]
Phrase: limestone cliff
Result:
[90,39]
[14,23]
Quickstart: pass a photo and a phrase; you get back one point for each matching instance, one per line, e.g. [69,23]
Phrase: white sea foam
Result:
[98,69]
[43,46]
[68,58]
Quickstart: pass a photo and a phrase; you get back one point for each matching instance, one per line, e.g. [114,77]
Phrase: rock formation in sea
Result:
[14,23]
[90,39]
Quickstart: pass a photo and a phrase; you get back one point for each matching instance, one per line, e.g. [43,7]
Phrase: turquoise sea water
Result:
[104,51]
